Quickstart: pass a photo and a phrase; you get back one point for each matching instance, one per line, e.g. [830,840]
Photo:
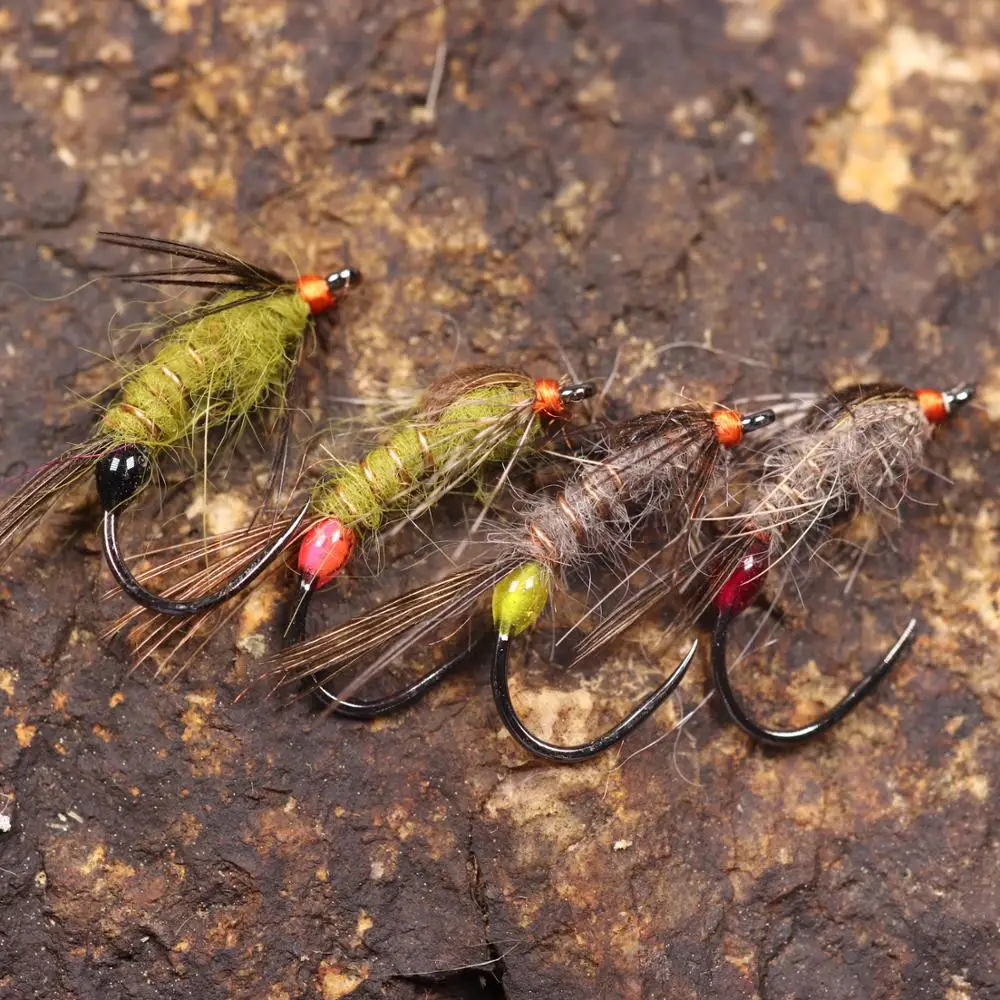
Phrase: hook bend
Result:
[583,751]
[792,737]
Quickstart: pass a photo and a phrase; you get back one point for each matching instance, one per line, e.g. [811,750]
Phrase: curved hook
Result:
[393,702]
[179,609]
[791,737]
[583,751]
[295,631]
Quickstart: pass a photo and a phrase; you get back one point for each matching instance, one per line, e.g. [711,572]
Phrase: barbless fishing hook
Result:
[499,682]
[368,710]
[740,591]
[743,586]
[121,475]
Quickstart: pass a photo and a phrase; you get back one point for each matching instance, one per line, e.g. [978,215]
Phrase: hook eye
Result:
[344,279]
[577,392]
[754,421]
[958,397]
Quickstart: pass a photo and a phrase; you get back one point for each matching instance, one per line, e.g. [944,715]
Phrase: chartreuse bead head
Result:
[519,598]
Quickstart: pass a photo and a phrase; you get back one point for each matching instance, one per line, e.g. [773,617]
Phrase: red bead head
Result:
[321,294]
[933,405]
[551,400]
[745,582]
[324,550]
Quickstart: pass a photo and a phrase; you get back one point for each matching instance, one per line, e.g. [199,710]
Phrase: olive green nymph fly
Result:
[212,367]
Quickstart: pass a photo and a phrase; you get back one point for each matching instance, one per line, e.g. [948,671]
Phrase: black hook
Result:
[295,627]
[295,631]
[742,588]
[583,751]
[405,696]
[179,609]
[791,737]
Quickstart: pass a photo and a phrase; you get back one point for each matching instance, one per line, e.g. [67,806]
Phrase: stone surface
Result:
[808,185]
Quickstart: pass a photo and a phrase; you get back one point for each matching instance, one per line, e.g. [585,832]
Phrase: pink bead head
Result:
[324,550]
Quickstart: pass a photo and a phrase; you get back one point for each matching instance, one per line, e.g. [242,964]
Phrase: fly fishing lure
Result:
[474,416]
[214,367]
[662,463]
[856,452]
[853,451]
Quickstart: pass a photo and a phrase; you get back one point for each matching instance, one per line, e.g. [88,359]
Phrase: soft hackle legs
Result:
[405,696]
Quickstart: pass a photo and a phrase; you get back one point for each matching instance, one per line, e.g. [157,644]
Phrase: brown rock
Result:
[592,177]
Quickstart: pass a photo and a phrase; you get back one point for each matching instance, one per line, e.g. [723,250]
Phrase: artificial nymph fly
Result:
[474,417]
[661,464]
[212,367]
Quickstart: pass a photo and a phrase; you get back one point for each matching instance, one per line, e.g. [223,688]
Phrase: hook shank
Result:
[405,696]
[181,609]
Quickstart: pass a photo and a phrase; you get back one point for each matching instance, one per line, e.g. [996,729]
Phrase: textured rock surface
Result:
[594,177]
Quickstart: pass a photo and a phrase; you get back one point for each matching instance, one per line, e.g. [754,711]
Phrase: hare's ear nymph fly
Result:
[661,465]
[855,451]
[213,367]
[471,417]
[665,457]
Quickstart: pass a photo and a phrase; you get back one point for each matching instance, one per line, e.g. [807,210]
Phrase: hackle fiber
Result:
[596,514]
[864,459]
